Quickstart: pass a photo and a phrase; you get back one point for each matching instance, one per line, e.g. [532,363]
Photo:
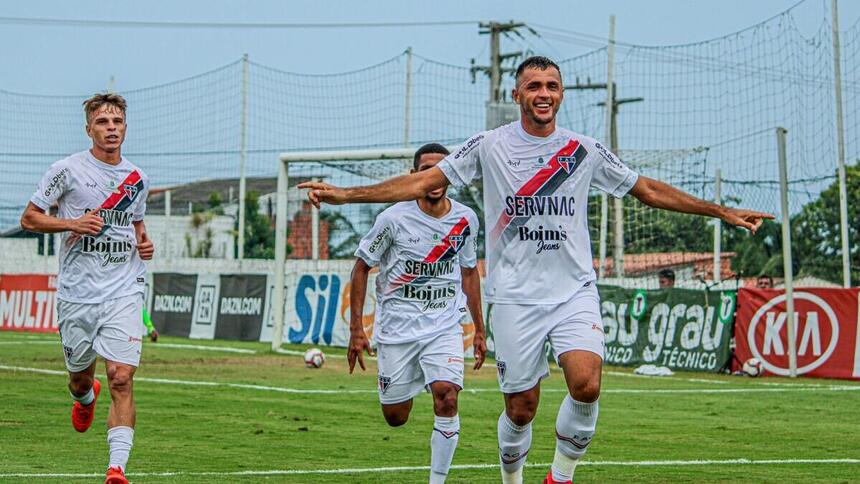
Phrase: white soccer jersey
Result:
[418,288]
[535,202]
[106,266]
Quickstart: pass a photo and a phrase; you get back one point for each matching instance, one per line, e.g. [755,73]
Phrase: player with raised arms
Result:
[428,274]
[101,198]
[540,278]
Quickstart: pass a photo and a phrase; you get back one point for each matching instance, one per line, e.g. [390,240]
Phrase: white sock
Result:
[514,444]
[443,443]
[574,429]
[119,442]
[563,467]
[437,478]
[85,399]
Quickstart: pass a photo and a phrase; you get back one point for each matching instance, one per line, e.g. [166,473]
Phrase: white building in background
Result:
[178,236]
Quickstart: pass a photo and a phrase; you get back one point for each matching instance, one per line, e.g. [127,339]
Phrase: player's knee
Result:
[586,391]
[120,380]
[522,410]
[445,399]
[395,418]
[521,416]
[80,383]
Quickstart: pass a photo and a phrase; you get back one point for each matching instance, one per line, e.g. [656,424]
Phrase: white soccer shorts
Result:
[112,329]
[407,368]
[520,332]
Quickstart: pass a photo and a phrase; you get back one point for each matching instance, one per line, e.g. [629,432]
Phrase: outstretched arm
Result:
[397,189]
[657,194]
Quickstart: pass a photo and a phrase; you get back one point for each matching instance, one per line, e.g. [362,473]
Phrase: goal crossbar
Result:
[284,160]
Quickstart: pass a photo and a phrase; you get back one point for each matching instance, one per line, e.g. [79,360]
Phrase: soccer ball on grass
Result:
[314,358]
[752,367]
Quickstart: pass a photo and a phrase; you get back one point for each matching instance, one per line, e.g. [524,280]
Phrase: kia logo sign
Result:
[816,327]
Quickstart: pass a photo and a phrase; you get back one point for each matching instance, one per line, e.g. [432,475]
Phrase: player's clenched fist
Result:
[89,224]
[145,247]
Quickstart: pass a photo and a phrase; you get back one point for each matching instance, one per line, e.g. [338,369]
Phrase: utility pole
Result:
[618,239]
[840,146]
[495,69]
[243,144]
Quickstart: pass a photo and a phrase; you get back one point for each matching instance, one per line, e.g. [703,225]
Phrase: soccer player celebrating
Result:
[102,199]
[540,278]
[426,251]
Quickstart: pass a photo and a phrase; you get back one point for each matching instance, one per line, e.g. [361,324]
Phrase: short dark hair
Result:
[765,276]
[667,273]
[98,100]
[537,62]
[428,149]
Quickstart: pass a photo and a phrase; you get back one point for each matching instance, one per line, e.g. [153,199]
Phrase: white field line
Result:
[225,349]
[380,470]
[32,342]
[669,378]
[179,346]
[283,351]
[168,381]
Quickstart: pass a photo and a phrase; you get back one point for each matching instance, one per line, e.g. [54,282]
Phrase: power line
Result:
[57,22]
[604,40]
[668,54]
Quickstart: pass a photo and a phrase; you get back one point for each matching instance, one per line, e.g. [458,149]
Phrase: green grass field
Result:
[205,415]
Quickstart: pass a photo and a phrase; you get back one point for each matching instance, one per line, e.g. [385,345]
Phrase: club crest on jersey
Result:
[567,162]
[384,383]
[502,368]
[130,191]
[456,241]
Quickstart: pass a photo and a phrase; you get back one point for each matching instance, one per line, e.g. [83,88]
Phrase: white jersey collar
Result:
[534,139]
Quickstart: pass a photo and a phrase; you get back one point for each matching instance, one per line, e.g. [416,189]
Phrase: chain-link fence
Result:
[690,110]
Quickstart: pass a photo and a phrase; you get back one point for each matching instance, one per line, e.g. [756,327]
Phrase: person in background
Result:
[764,281]
[150,329]
[667,278]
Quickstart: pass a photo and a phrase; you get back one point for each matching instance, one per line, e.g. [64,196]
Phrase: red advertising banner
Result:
[28,302]
[827,331]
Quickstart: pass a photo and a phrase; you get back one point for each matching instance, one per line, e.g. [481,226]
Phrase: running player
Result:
[425,252]
[540,278]
[102,199]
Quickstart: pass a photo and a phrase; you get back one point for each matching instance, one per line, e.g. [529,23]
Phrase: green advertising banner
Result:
[681,329]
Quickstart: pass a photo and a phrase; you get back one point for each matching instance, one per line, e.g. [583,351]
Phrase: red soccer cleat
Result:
[82,416]
[115,476]
[548,480]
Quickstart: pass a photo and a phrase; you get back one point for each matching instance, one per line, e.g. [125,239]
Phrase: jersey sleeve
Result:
[468,255]
[610,174]
[381,236]
[54,184]
[140,203]
[463,165]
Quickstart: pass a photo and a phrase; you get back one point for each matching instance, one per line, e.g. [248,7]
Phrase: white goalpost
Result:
[324,158]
